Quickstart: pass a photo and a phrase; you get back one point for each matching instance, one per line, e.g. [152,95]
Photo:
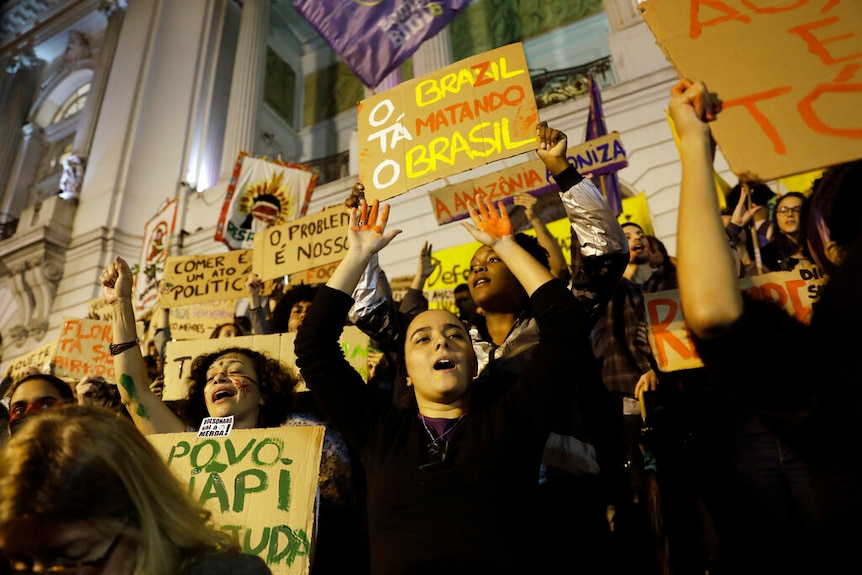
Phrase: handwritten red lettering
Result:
[696,26]
[772,9]
[481,79]
[809,116]
[817,46]
[663,336]
[750,103]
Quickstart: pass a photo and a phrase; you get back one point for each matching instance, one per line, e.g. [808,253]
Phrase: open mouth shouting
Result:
[223,395]
[444,364]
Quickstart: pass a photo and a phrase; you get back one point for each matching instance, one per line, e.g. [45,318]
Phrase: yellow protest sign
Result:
[464,115]
[636,210]
[40,359]
[196,279]
[301,244]
[260,484]
[179,355]
[454,265]
[671,345]
[785,77]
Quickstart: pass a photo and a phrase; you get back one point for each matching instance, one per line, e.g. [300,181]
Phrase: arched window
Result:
[60,137]
[73,104]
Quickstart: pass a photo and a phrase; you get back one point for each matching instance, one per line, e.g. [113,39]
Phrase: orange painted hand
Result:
[490,222]
[368,214]
[367,227]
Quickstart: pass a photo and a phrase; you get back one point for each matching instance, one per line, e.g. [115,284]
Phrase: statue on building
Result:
[77,50]
[72,177]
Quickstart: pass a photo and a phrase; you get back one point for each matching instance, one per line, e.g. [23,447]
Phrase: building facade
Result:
[111,108]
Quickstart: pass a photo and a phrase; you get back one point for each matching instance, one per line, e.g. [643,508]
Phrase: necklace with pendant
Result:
[434,446]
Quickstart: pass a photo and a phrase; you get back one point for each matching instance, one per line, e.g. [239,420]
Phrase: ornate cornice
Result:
[18,16]
[26,23]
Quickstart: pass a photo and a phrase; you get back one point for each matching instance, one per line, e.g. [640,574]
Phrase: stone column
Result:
[26,161]
[246,89]
[19,85]
[114,11]
[433,54]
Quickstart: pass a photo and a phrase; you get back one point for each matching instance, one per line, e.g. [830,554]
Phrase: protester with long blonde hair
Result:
[80,487]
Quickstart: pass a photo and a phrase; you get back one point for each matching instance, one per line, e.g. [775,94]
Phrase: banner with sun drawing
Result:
[263,192]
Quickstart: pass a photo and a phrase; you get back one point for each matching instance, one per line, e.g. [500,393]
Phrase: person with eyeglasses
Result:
[82,491]
[787,248]
[451,484]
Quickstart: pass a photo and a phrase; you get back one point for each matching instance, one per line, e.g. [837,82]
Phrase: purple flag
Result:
[374,37]
[608,183]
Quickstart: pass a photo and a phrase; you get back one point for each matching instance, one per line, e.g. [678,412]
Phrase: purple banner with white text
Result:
[374,37]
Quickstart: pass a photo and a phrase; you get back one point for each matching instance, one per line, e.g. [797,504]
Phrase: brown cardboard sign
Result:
[301,244]
[788,74]
[198,321]
[669,339]
[40,359]
[260,484]
[83,348]
[465,115]
[180,354]
[597,156]
[312,276]
[214,277]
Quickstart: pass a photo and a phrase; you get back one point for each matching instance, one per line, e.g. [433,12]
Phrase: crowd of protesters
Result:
[531,431]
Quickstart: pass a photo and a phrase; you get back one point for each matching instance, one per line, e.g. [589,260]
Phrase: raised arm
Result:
[414,301]
[148,411]
[600,250]
[708,286]
[366,236]
[557,259]
[492,227]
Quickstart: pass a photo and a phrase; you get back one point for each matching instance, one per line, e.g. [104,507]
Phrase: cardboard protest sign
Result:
[180,354]
[215,277]
[83,348]
[260,484]
[467,114]
[40,359]
[301,244]
[315,275]
[154,251]
[99,308]
[671,345]
[199,320]
[596,156]
[784,71]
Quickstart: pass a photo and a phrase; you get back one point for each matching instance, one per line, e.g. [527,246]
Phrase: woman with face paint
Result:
[254,389]
[257,391]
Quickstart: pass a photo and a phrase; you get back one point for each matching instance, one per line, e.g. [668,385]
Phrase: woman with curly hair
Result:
[255,389]
[80,489]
